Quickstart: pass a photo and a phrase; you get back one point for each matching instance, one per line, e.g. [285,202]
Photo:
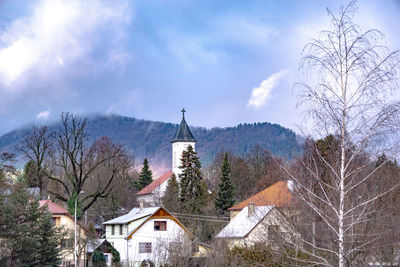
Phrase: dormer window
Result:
[160,226]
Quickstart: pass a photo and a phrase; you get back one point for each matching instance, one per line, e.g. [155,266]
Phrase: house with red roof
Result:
[280,195]
[263,219]
[61,218]
[151,195]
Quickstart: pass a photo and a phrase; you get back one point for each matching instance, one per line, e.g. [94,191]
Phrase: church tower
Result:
[182,139]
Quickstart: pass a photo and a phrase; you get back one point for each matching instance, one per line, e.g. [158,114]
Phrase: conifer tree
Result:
[145,176]
[226,193]
[193,190]
[27,236]
[170,200]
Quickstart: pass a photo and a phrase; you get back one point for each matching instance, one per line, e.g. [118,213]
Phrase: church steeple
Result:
[183,134]
[182,139]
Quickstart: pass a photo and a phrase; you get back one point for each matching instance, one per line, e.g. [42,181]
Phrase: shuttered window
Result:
[144,247]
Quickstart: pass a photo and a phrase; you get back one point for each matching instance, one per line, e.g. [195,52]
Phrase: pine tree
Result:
[226,193]
[170,200]
[27,236]
[145,176]
[193,190]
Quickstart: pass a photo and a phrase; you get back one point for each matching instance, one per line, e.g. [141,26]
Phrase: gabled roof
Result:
[183,133]
[137,218]
[242,224]
[133,215]
[52,207]
[279,194]
[155,184]
[57,210]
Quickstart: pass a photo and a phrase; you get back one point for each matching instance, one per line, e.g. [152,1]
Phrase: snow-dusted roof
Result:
[242,224]
[94,244]
[133,215]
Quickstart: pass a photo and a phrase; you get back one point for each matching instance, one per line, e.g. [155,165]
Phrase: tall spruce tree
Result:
[27,236]
[145,176]
[170,200]
[226,193]
[193,190]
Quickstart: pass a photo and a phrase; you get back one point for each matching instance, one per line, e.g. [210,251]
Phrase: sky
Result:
[227,62]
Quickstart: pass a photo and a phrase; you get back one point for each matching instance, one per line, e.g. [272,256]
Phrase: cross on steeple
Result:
[183,113]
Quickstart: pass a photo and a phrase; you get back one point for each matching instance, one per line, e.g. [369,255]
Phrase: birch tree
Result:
[350,92]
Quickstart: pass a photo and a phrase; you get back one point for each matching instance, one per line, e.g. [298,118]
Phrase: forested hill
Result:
[151,139]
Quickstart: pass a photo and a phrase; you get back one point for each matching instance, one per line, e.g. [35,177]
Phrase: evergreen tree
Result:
[226,193]
[170,200]
[145,176]
[193,190]
[27,236]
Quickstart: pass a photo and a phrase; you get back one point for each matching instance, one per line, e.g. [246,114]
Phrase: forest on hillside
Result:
[151,139]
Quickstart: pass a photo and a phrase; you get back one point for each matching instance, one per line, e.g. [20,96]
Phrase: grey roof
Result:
[133,215]
[183,133]
[94,244]
[242,224]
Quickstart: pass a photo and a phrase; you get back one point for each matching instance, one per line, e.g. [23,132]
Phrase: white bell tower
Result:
[182,139]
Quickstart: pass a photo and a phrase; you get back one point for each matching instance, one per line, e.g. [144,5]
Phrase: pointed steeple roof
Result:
[183,133]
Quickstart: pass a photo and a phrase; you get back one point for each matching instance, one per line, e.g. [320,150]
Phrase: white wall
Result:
[159,239]
[177,150]
[117,240]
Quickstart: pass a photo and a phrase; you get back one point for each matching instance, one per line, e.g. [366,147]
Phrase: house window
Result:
[273,232]
[67,243]
[144,247]
[160,226]
[55,221]
[106,257]
[120,229]
[112,229]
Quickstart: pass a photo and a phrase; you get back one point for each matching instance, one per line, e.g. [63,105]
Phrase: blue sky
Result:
[226,62]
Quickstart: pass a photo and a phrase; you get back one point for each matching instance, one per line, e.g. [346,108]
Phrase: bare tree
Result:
[35,148]
[77,167]
[72,165]
[350,94]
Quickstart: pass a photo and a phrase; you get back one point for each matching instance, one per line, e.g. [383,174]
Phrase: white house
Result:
[257,225]
[152,194]
[147,234]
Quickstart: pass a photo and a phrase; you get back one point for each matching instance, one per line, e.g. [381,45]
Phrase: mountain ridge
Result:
[151,139]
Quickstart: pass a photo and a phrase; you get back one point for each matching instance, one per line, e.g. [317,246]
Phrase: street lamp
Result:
[75,255]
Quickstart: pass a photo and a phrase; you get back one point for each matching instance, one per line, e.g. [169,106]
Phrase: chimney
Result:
[141,206]
[250,209]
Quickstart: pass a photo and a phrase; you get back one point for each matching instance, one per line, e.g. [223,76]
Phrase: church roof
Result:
[155,184]
[183,133]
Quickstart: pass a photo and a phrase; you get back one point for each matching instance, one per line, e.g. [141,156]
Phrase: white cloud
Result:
[57,33]
[261,94]
[43,114]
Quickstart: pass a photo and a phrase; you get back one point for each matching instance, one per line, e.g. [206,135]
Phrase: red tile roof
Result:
[55,209]
[277,195]
[52,207]
[155,184]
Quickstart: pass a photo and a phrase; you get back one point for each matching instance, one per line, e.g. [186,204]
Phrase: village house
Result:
[280,195]
[61,218]
[148,235]
[262,219]
[151,195]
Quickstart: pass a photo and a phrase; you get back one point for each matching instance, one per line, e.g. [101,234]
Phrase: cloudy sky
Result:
[226,62]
